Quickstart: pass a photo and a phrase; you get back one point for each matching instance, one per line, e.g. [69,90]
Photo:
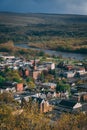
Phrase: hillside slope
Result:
[51,31]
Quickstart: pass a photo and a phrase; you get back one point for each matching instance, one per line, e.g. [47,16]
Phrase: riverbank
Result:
[77,56]
[60,49]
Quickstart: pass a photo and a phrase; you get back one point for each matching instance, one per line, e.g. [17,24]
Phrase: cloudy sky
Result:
[45,6]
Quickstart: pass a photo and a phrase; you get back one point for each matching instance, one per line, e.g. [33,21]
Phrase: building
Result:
[42,68]
[26,72]
[7,87]
[36,74]
[42,104]
[81,71]
[69,74]
[50,65]
[49,85]
[68,67]
[82,87]
[19,87]
[69,106]
[8,57]
[84,97]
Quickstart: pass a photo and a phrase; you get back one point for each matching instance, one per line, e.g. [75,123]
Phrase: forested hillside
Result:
[50,31]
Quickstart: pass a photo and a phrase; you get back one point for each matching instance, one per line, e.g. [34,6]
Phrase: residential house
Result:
[36,74]
[7,87]
[80,71]
[68,67]
[82,87]
[50,65]
[69,74]
[8,57]
[49,85]
[84,97]
[80,97]
[77,97]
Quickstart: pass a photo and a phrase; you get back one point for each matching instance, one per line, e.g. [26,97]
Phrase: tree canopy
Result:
[62,87]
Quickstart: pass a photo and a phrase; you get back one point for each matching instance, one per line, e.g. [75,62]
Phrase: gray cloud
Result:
[45,6]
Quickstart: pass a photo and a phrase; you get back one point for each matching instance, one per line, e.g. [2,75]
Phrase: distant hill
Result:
[31,18]
[52,31]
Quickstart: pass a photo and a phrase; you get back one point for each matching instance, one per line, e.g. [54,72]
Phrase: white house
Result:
[8,57]
[50,65]
[69,74]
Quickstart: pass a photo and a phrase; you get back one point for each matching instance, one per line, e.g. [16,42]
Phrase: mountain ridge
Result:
[8,17]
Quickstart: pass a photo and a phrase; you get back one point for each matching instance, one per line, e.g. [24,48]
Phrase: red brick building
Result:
[26,72]
[19,87]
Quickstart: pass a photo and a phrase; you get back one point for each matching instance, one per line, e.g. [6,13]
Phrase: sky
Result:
[45,6]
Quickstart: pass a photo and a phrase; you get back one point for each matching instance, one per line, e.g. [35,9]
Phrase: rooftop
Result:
[67,103]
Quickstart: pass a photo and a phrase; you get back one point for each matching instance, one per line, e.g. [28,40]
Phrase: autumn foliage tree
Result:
[33,120]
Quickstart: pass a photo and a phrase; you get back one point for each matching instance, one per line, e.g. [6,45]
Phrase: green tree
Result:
[1,59]
[31,85]
[61,87]
[28,79]
[41,77]
[2,80]
[13,76]
[41,53]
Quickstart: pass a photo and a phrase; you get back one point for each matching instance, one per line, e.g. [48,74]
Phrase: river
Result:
[56,53]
